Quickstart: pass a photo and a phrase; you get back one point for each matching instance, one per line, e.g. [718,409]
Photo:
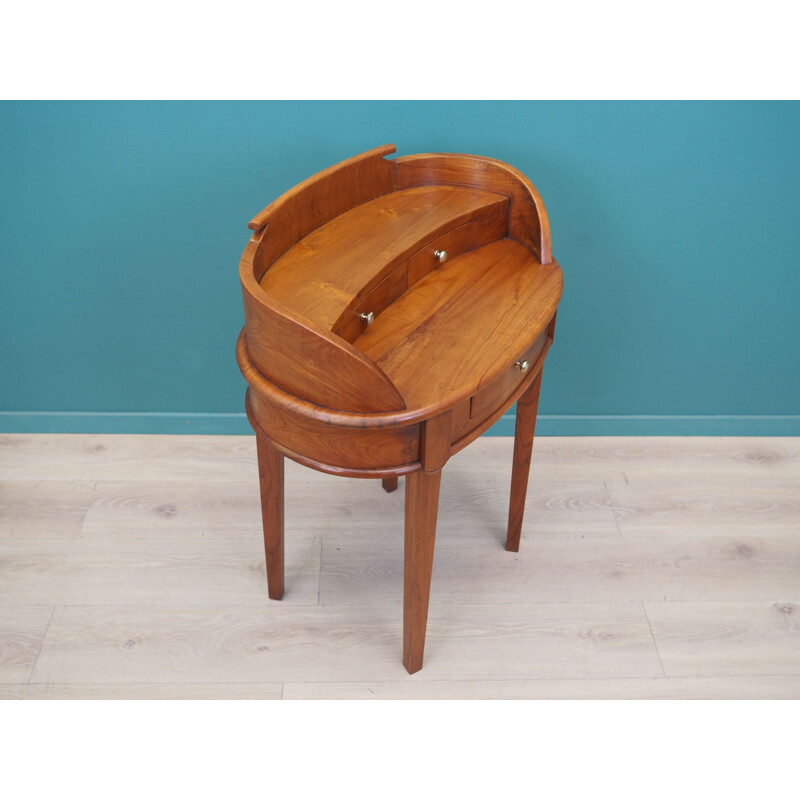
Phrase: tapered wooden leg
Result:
[389,484]
[527,406]
[422,505]
[270,475]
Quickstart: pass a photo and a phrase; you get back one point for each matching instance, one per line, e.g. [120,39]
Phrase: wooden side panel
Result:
[307,361]
[320,198]
[435,443]
[528,222]
[462,422]
[347,448]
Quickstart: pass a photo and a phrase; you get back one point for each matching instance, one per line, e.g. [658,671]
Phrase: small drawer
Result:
[459,240]
[350,325]
[493,395]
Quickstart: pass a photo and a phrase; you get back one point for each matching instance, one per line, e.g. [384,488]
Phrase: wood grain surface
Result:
[497,298]
[649,568]
[22,630]
[51,509]
[528,222]
[324,272]
[769,687]
[746,637]
[122,571]
[525,425]
[145,644]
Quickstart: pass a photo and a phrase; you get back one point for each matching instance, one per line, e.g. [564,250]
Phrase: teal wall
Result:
[677,225]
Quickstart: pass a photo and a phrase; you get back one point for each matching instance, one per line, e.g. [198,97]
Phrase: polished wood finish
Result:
[527,406]
[270,475]
[394,310]
[527,220]
[359,449]
[390,484]
[331,372]
[422,506]
[350,324]
[488,398]
[498,298]
[324,196]
[365,244]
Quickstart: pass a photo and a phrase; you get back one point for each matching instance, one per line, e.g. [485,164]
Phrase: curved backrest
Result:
[527,218]
[322,197]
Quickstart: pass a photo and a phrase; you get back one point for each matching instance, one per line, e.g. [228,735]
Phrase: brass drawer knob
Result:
[367,318]
[522,365]
[440,256]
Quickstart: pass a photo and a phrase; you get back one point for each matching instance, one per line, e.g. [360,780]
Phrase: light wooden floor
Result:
[132,567]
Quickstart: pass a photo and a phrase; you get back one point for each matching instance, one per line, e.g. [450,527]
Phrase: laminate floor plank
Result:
[91,644]
[769,687]
[142,691]
[186,510]
[183,510]
[43,509]
[22,630]
[221,458]
[470,508]
[703,458]
[357,569]
[126,457]
[738,638]
[121,571]
[133,566]
[706,508]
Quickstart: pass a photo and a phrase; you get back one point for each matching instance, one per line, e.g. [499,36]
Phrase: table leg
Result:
[527,406]
[270,475]
[389,484]
[422,505]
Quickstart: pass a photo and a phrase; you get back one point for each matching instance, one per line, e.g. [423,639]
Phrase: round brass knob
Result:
[522,365]
[367,318]
[440,256]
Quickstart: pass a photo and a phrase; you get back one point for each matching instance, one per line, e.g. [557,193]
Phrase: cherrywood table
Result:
[394,310]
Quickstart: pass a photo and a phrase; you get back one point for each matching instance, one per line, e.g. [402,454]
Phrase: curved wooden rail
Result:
[527,222]
[324,196]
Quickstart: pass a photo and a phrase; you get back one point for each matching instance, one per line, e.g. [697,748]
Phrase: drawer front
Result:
[492,396]
[460,240]
[350,326]
[466,237]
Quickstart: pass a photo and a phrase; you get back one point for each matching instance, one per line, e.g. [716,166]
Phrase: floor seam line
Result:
[319,570]
[653,637]
[613,509]
[41,645]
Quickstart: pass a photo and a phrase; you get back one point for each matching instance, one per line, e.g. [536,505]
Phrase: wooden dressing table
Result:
[394,310]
